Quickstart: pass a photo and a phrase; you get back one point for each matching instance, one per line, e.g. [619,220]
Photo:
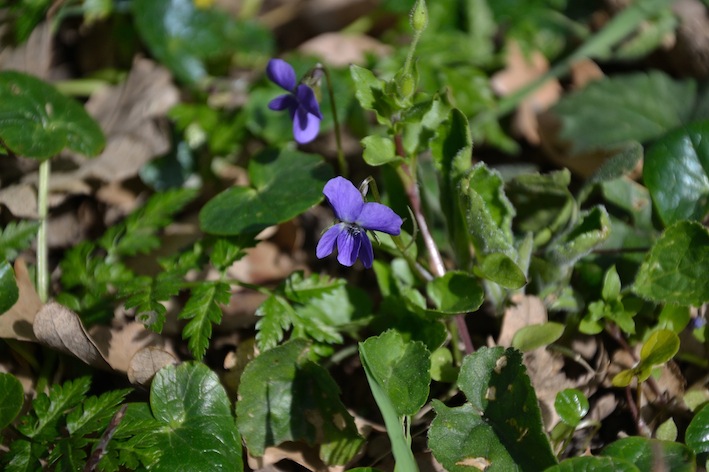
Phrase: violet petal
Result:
[306,99]
[378,217]
[345,199]
[282,102]
[327,241]
[348,248]
[305,126]
[281,73]
[366,254]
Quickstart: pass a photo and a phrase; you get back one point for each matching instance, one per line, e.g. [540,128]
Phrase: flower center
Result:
[354,229]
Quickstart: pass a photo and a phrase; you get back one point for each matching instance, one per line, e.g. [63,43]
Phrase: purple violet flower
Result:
[300,101]
[356,217]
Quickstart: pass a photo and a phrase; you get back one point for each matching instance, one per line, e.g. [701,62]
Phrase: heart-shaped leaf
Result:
[283,184]
[676,171]
[196,427]
[39,122]
[455,292]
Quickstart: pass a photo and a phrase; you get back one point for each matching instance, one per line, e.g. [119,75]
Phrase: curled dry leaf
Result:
[127,114]
[17,322]
[146,363]
[60,328]
[33,56]
[119,345]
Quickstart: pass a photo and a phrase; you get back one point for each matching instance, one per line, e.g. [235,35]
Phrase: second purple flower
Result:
[300,101]
[356,217]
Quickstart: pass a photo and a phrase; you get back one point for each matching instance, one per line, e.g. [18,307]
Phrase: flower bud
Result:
[419,16]
[405,86]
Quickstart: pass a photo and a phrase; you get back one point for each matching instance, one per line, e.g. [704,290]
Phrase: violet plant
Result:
[410,323]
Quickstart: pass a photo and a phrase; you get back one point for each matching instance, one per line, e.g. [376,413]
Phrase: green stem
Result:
[42,253]
[338,133]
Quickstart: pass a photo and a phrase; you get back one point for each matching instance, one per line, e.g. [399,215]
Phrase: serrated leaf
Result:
[138,233]
[495,382]
[571,405]
[646,453]
[47,410]
[12,396]
[94,413]
[674,269]
[275,316]
[15,237]
[455,292]
[676,171]
[286,397]
[370,92]
[196,429]
[284,184]
[534,336]
[39,122]
[300,289]
[229,249]
[400,367]
[697,435]
[146,296]
[202,309]
[616,110]
[9,293]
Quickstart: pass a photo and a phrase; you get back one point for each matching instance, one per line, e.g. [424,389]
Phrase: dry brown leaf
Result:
[299,453]
[16,323]
[585,71]
[127,114]
[520,71]
[525,310]
[60,328]
[33,56]
[20,199]
[342,49]
[146,363]
[119,345]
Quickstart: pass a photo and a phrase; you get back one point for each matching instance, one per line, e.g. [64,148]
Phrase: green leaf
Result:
[42,423]
[502,270]
[370,93]
[594,464]
[697,435]
[571,405]
[15,237]
[286,397]
[462,441]
[185,37]
[617,110]
[379,150]
[647,454]
[401,368]
[229,249]
[39,122]
[660,347]
[9,293]
[300,289]
[496,384]
[676,171]
[202,309]
[196,429]
[284,184]
[94,414]
[146,294]
[12,396]
[542,202]
[611,285]
[589,232]
[455,292]
[275,316]
[674,269]
[531,337]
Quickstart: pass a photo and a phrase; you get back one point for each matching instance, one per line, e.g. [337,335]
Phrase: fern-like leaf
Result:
[15,237]
[276,316]
[202,309]
[146,294]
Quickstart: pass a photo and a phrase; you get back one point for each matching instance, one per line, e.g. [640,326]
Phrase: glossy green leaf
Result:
[196,427]
[462,441]
[495,382]
[697,435]
[284,396]
[676,171]
[594,464]
[455,292]
[12,396]
[39,122]
[502,270]
[186,37]
[531,337]
[674,269]
[650,454]
[283,184]
[617,110]
[379,150]
[660,347]
[401,368]
[571,405]
[9,293]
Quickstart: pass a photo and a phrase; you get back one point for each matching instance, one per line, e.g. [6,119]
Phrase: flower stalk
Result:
[42,251]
